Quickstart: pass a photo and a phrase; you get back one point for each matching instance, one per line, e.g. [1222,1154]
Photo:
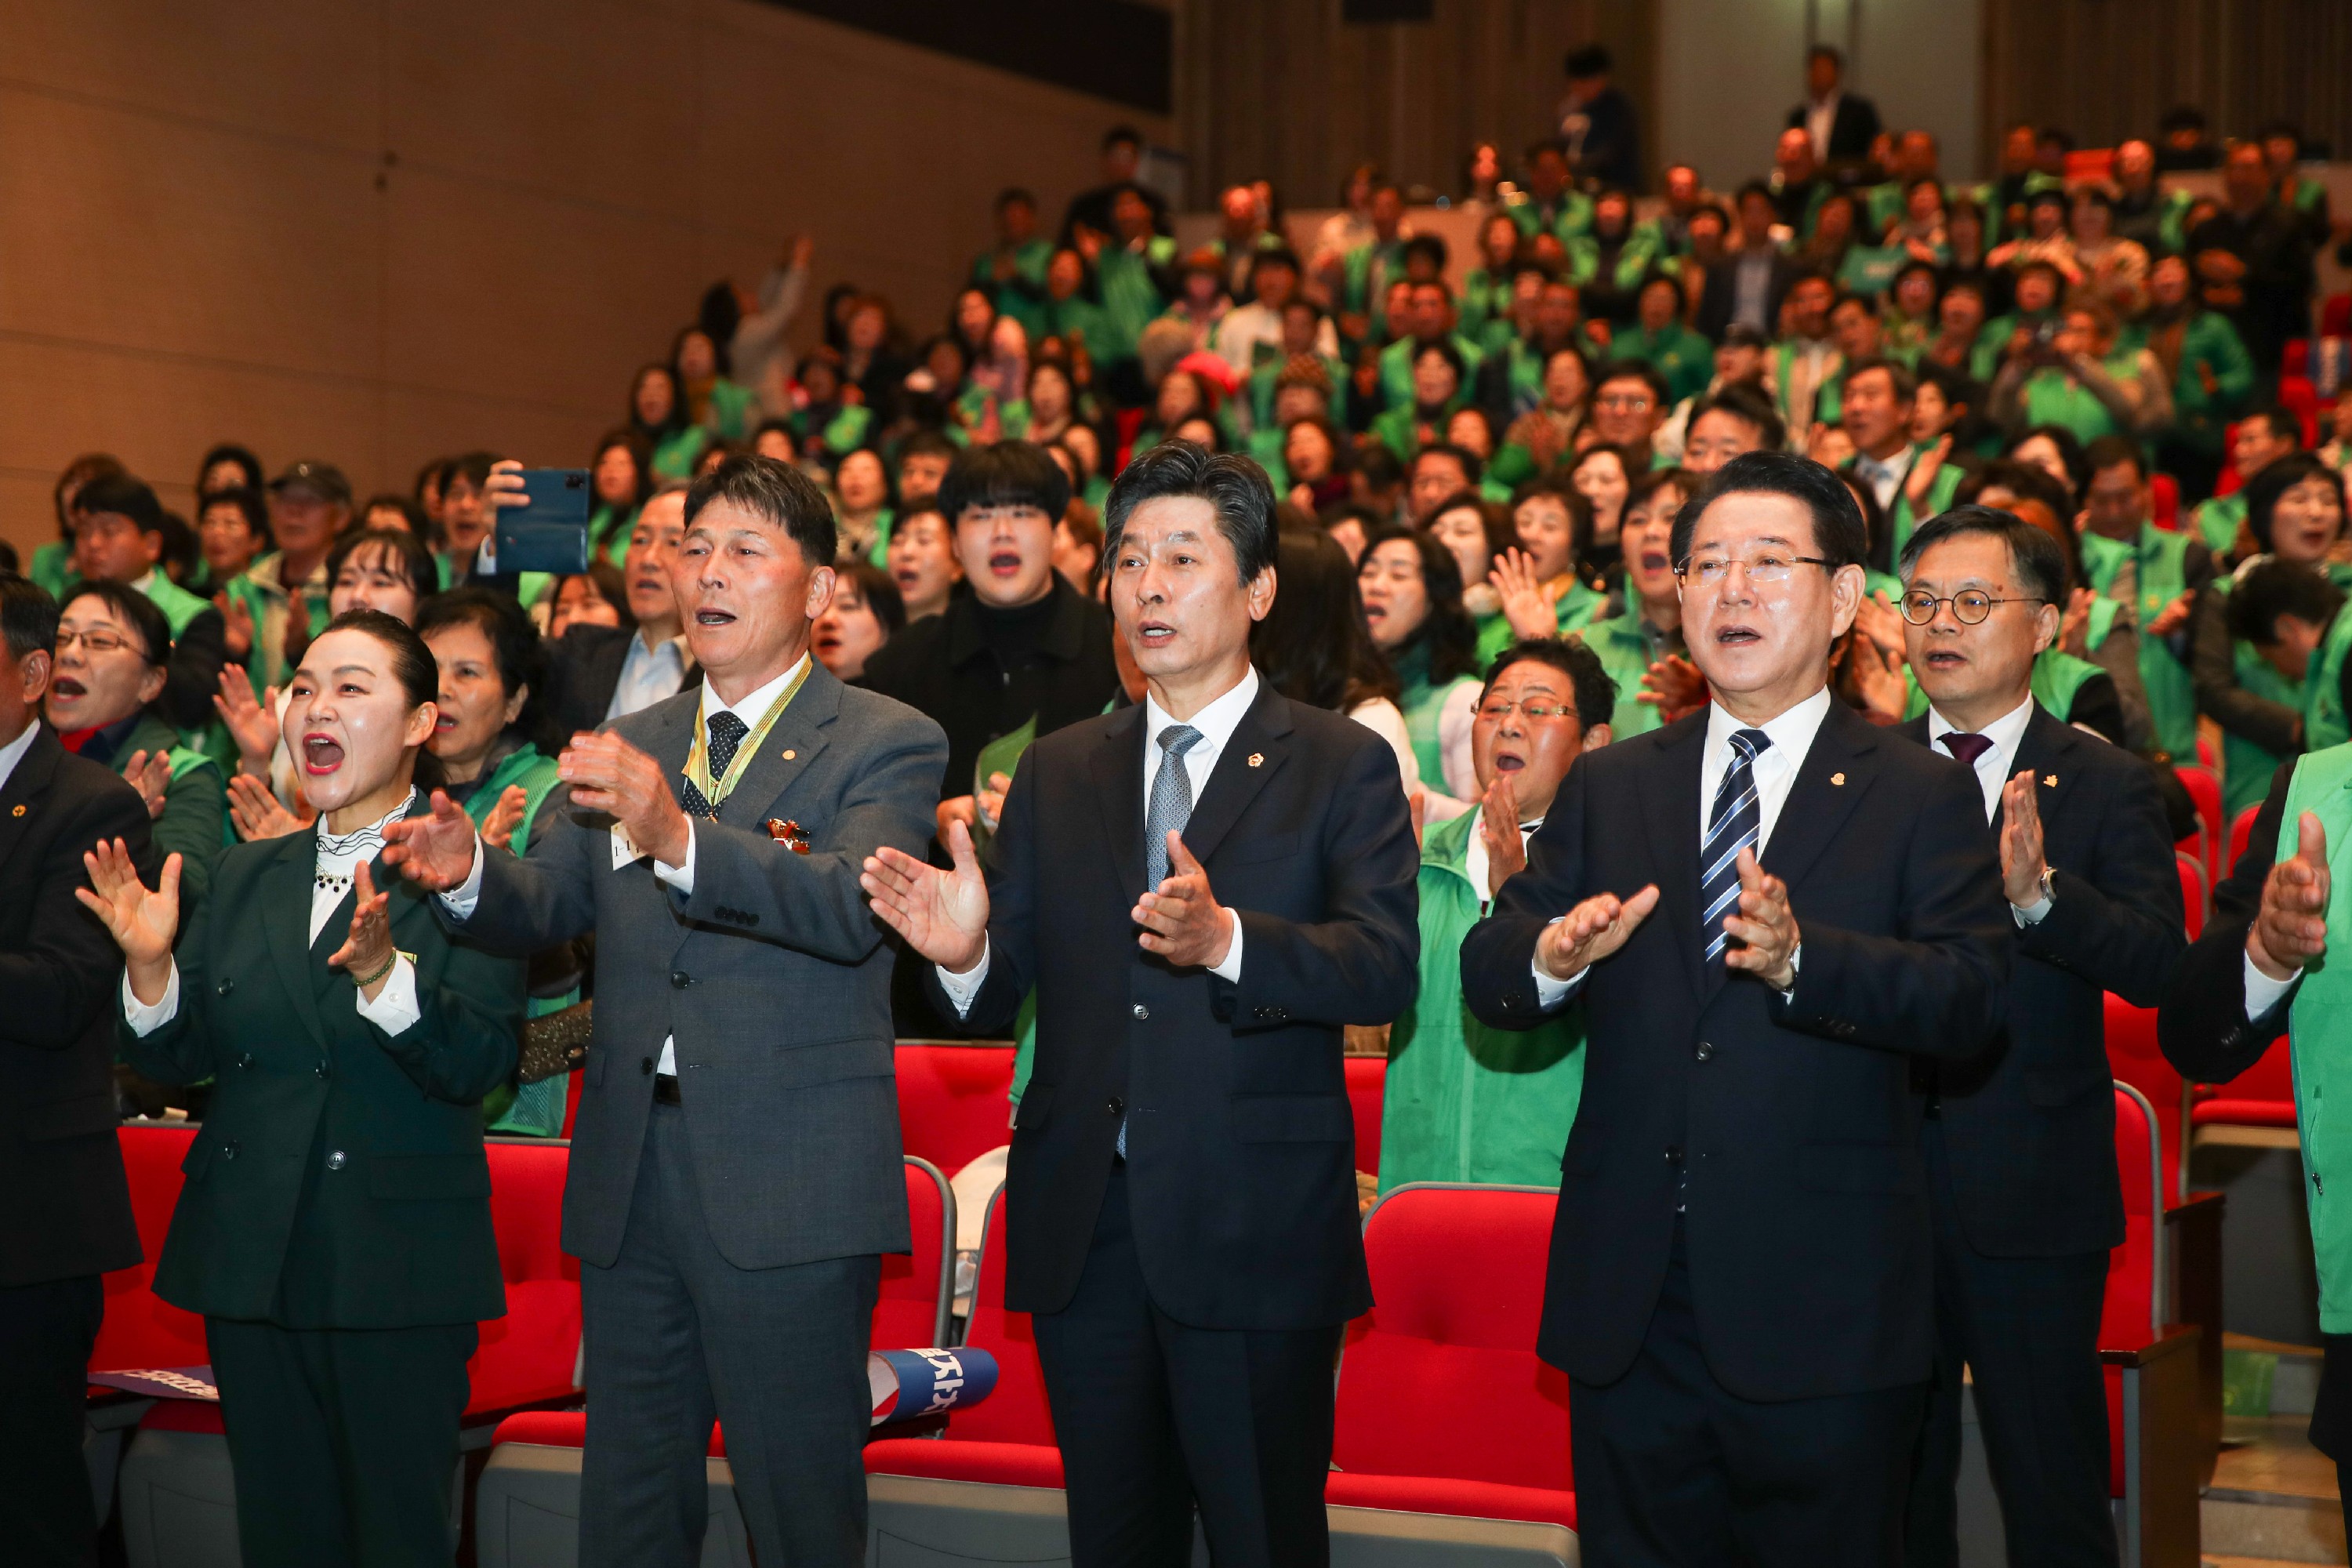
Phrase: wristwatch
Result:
[2048,885]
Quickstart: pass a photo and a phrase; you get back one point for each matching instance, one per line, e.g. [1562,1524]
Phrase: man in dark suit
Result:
[1740,1287]
[1747,286]
[598,673]
[1841,125]
[735,1171]
[65,1208]
[2019,1139]
[1181,1196]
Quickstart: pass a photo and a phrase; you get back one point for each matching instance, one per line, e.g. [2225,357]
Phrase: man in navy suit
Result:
[1767,908]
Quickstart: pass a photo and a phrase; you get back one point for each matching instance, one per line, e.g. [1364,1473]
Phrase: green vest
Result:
[2324,723]
[1396,371]
[2054,397]
[52,568]
[2218,521]
[674,457]
[179,605]
[1940,490]
[2246,768]
[1465,1103]
[1683,357]
[2199,416]
[2320,1024]
[1624,651]
[2162,576]
[535,1109]
[1423,703]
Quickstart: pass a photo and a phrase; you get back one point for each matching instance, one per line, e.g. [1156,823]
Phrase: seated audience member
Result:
[1077,545]
[1748,287]
[596,597]
[2057,452]
[232,532]
[1730,420]
[2262,439]
[1411,591]
[1961,342]
[118,538]
[599,672]
[1537,439]
[1478,530]
[864,613]
[1659,340]
[1465,1103]
[2160,571]
[2212,376]
[773,438]
[2079,380]
[1630,401]
[2294,509]
[1805,359]
[1639,637]
[1314,647]
[861,509]
[2292,618]
[105,683]
[923,460]
[1434,387]
[310,509]
[1548,586]
[1603,475]
[923,564]
[1017,645]
[2257,255]
[1877,399]
[1438,473]
[1513,379]
[622,475]
[1315,463]
[52,568]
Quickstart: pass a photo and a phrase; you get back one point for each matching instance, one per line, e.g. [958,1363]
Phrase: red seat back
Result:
[911,1312]
[1440,1377]
[2241,833]
[2089,163]
[527,1209]
[2133,1312]
[2164,501]
[571,1101]
[140,1331]
[2193,900]
[2299,398]
[2204,787]
[1016,1411]
[954,1101]
[2336,316]
[2135,1059]
[1368,1077]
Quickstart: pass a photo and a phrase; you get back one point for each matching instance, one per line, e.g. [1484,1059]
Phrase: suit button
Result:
[321,1069]
[647,1065]
[1117,1107]
[1705,1051]
[1674,1154]
[679,980]
[227,986]
[228,1150]
[245,1060]
[338,1160]
[1141,1013]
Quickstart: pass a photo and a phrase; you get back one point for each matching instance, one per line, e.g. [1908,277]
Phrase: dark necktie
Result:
[1735,825]
[727,733]
[1965,747]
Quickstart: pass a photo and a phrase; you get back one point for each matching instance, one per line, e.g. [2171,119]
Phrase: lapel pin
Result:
[1257,759]
[1837,778]
[789,754]
[19,811]
[2050,781]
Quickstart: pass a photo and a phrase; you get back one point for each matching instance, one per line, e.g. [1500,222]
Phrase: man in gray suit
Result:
[735,1174]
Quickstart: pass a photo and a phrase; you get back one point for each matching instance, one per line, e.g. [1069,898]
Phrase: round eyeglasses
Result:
[1969,606]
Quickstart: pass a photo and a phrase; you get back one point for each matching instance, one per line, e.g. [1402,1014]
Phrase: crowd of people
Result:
[1346,587]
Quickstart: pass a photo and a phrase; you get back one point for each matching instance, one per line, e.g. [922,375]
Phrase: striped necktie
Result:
[1733,825]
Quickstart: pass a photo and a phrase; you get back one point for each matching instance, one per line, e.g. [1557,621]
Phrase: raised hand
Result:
[1498,825]
[236,626]
[608,775]
[150,773]
[2074,623]
[1673,687]
[1764,924]
[1591,931]
[256,813]
[990,803]
[2290,929]
[253,725]
[1521,594]
[435,851]
[943,915]
[1922,477]
[1182,919]
[499,827]
[142,921]
[2023,861]
[366,954]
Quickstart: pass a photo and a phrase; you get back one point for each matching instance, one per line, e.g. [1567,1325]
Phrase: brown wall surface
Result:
[373,231]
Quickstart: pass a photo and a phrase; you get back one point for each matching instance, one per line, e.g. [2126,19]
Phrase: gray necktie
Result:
[1172,801]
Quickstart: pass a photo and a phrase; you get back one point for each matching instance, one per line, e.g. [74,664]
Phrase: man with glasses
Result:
[1766,909]
[2018,1139]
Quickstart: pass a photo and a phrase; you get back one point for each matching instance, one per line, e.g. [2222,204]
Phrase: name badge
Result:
[624,849]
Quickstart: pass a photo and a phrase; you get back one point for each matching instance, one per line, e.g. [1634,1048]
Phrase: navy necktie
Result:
[727,733]
[1733,825]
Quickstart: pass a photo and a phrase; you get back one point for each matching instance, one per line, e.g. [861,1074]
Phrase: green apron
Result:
[1465,1103]
[1624,651]
[2324,723]
[2320,1027]
[533,1109]
[2161,573]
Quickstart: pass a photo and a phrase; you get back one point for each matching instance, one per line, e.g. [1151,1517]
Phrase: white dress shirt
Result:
[1775,772]
[1216,723]
[1993,768]
[339,857]
[1475,864]
[1821,119]
[648,675]
[14,751]
[1885,476]
[750,710]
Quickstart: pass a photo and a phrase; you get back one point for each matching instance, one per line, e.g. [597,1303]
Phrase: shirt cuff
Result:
[2262,993]
[2032,914]
[460,900]
[394,1007]
[1229,971]
[1550,993]
[145,1020]
[680,876]
[963,988]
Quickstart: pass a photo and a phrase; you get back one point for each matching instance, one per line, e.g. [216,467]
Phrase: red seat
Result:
[917,1288]
[2164,502]
[2135,1059]
[2262,1096]
[2241,833]
[2132,1315]
[2296,358]
[2336,316]
[141,1331]
[1444,1407]
[2300,398]
[954,1101]
[571,1101]
[1368,1077]
[2204,787]
[2194,901]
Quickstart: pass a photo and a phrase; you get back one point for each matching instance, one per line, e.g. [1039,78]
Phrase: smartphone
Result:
[550,531]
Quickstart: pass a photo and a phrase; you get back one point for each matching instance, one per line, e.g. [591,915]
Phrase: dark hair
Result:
[474,468]
[676,420]
[1494,521]
[1587,679]
[1432,249]
[717,317]
[412,665]
[1639,369]
[2283,424]
[1314,646]
[81,471]
[2026,479]
[774,492]
[1840,534]
[880,592]
[2070,457]
[407,551]
[2263,490]
[28,616]
[1234,486]
[129,604]
[1003,473]
[605,580]
[925,443]
[1959,391]
[122,495]
[2181,116]
[1747,406]
[2034,556]
[1446,352]
[1580,513]
[2274,588]
[1471,468]
[1122,134]
[1750,188]
[1899,374]
[230,452]
[515,645]
[249,505]
[1590,60]
[780,427]
[1377,467]
[411,513]
[1447,631]
[2113,451]
[1825,52]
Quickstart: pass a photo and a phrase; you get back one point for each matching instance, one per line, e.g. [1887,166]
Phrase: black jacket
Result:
[65,1207]
[982,673]
[2202,1028]
[1852,130]
[1721,296]
[1240,1144]
[2029,1122]
[1790,1122]
[584,667]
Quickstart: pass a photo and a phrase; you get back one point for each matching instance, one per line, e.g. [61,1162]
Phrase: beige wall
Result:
[376,230]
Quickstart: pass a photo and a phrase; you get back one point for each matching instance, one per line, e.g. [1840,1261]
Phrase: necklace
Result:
[348,850]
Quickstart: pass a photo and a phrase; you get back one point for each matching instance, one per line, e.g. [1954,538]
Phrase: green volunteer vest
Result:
[2320,1030]
[2324,723]
[1624,653]
[1423,702]
[52,568]
[2162,578]
[2246,768]
[2218,521]
[532,1109]
[2057,677]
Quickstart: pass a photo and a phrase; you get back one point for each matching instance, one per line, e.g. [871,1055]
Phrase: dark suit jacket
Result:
[339,1180]
[1792,1120]
[584,667]
[192,679]
[1240,1148]
[772,977]
[65,1208]
[1721,296]
[2029,1122]
[2202,1028]
[1852,129]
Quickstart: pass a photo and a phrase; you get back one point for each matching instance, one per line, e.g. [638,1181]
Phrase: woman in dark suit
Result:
[335,1227]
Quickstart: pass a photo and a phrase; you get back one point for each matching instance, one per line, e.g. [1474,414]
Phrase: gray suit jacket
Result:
[772,977]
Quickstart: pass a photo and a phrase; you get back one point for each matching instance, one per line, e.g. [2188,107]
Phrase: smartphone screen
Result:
[550,531]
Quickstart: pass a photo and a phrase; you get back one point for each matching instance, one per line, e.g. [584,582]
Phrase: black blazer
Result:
[1852,129]
[2029,1122]
[65,1208]
[2202,1028]
[1792,1120]
[1721,296]
[1240,1143]
[584,667]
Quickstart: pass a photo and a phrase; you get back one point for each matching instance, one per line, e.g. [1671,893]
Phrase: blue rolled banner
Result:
[906,1384]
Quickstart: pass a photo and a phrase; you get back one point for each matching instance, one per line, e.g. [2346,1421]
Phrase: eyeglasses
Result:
[1626,402]
[95,641]
[1768,566]
[1969,606]
[1492,708]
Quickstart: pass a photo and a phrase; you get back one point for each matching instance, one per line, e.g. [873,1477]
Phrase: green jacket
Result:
[1624,650]
[2319,1017]
[1367,270]
[1685,358]
[194,824]
[1564,220]
[339,1180]
[1485,314]
[1465,1103]
[1396,371]
[52,568]
[1022,295]
[2161,576]
[2324,722]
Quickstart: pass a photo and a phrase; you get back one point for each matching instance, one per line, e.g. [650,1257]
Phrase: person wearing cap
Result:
[118,538]
[309,505]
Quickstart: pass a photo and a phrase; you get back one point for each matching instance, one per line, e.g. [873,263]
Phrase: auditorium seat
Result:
[2151,1366]
[2336,316]
[918,1286]
[141,1331]
[571,1101]
[2195,903]
[2133,1057]
[2164,501]
[2204,787]
[954,1099]
[1367,1079]
[2241,833]
[2299,398]
[2261,1098]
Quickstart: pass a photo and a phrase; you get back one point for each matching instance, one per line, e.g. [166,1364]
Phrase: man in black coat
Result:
[65,1207]
[1747,286]
[2020,1139]
[1182,1194]
[601,673]
[1741,1286]
[1841,126]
